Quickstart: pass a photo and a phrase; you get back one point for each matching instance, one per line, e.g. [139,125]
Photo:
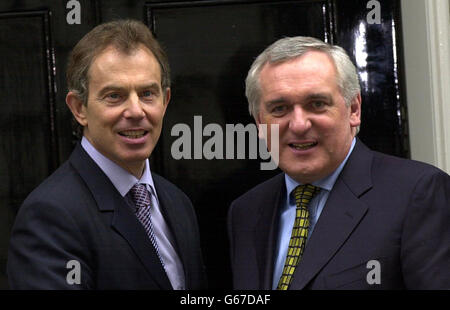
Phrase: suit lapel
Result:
[342,213]
[176,220]
[123,221]
[126,224]
[267,231]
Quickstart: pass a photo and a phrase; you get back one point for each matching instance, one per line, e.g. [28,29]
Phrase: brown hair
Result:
[125,36]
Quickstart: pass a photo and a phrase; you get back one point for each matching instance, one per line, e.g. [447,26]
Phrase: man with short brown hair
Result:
[103,220]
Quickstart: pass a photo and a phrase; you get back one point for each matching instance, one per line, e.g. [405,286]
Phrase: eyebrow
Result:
[320,96]
[153,86]
[275,101]
[309,97]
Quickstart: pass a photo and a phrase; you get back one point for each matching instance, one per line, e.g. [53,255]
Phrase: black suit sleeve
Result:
[426,234]
[44,239]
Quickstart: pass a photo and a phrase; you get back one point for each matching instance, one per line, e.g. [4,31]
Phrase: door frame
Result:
[426,42]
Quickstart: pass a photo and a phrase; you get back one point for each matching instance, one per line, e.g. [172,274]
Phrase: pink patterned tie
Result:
[142,200]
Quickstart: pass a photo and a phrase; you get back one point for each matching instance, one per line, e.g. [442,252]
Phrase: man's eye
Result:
[113,96]
[278,109]
[318,105]
[148,96]
[147,93]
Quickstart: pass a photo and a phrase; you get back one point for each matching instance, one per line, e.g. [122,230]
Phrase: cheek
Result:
[334,135]
[331,123]
[155,120]
[155,113]
[273,130]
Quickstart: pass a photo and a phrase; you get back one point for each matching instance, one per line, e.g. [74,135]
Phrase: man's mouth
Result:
[303,146]
[133,134]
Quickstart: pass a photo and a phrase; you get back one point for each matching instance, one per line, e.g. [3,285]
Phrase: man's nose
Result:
[299,121]
[133,108]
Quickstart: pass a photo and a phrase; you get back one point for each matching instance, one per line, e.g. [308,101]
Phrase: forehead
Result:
[309,69]
[113,63]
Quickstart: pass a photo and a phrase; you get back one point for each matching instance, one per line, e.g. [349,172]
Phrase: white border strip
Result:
[426,35]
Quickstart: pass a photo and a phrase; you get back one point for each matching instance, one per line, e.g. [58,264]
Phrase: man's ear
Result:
[167,96]
[77,108]
[166,99]
[355,111]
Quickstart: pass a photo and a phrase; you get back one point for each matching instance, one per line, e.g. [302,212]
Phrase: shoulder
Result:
[63,191]
[404,170]
[52,219]
[262,194]
[395,181]
[57,186]
[366,166]
[426,185]
[53,208]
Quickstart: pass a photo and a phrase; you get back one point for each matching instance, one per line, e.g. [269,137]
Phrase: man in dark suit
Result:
[103,220]
[340,216]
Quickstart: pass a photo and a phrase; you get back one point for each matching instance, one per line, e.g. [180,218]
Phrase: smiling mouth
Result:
[303,146]
[133,134]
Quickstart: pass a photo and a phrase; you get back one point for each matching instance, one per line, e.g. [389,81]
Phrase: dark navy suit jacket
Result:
[381,208]
[77,214]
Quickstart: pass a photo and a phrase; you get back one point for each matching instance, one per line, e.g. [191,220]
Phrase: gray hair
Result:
[292,47]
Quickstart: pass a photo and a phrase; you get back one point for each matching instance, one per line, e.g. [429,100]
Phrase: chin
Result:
[304,175]
[136,157]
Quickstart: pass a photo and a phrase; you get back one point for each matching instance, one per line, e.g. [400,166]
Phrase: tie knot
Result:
[303,194]
[140,195]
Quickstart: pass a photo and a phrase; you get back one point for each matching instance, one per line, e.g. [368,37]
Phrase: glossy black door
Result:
[27,111]
[376,51]
[35,134]
[211,45]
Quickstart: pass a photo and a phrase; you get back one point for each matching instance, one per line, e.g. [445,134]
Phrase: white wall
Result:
[426,41]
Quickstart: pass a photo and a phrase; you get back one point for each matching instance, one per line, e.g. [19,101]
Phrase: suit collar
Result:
[127,225]
[122,180]
[103,191]
[123,221]
[342,213]
[357,173]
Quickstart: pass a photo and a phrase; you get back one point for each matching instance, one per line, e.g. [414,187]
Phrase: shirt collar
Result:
[326,183]
[122,180]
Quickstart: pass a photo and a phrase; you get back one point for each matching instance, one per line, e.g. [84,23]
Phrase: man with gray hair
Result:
[339,216]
